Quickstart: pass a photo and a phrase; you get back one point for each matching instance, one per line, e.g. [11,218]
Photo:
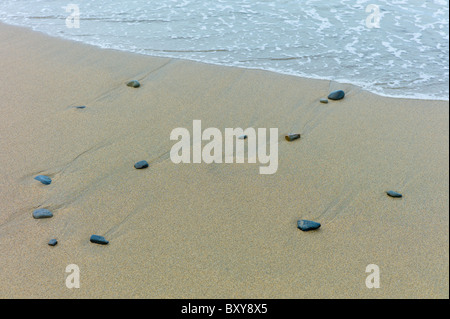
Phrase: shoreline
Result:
[337,82]
[211,230]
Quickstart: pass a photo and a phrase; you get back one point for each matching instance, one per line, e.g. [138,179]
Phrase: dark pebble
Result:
[242,137]
[336,95]
[394,194]
[96,239]
[141,164]
[134,84]
[80,107]
[306,225]
[52,242]
[291,137]
[323,100]
[42,213]
[43,179]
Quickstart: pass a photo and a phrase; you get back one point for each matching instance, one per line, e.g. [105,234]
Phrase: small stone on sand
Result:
[80,107]
[336,95]
[52,242]
[141,164]
[42,213]
[323,100]
[394,194]
[43,179]
[134,84]
[306,225]
[291,137]
[96,239]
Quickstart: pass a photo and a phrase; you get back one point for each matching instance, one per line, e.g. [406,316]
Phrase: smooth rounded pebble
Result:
[52,242]
[141,164]
[336,95]
[134,84]
[96,239]
[306,225]
[42,213]
[323,100]
[242,137]
[394,194]
[80,107]
[291,137]
[43,179]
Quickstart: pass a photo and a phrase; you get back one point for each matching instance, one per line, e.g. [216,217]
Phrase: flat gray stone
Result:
[292,137]
[324,101]
[306,225]
[242,137]
[96,239]
[394,194]
[336,95]
[134,84]
[141,165]
[43,179]
[42,213]
[52,242]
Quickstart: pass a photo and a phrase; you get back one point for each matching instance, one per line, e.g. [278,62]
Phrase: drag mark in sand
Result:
[88,151]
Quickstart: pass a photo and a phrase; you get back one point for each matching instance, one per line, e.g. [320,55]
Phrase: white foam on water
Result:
[407,56]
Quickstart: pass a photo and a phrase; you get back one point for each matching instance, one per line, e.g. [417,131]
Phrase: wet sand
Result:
[211,230]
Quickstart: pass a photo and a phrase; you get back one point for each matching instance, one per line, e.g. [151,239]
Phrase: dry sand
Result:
[217,230]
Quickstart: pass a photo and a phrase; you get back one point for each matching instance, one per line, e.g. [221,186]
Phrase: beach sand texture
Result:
[211,230]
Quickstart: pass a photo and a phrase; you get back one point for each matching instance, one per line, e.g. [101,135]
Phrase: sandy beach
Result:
[211,230]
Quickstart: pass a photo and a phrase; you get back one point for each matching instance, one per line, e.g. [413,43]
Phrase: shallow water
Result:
[407,56]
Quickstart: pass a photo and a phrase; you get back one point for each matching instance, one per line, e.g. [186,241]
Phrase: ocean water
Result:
[405,55]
